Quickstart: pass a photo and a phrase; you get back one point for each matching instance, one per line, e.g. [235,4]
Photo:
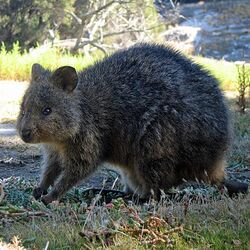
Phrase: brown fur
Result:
[154,114]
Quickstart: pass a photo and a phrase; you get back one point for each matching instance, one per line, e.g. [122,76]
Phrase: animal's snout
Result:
[26,135]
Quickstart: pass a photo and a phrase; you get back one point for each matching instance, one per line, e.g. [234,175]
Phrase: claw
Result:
[38,192]
[46,199]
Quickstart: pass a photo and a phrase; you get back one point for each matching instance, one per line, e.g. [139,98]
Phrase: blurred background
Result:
[218,29]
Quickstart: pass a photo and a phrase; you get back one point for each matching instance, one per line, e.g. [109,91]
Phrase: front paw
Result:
[38,192]
[46,199]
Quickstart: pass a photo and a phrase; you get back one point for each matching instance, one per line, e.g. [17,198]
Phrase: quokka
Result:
[154,114]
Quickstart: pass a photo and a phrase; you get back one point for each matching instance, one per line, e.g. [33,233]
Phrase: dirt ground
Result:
[20,159]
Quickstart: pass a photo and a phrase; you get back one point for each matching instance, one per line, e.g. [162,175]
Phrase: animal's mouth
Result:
[29,136]
[26,135]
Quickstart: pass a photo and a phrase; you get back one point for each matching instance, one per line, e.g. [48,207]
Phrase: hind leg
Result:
[132,183]
[199,175]
[217,174]
[219,178]
[156,175]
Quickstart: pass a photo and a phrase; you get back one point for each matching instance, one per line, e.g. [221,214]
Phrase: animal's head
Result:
[49,109]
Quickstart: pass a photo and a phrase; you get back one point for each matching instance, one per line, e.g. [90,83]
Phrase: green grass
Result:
[225,72]
[15,65]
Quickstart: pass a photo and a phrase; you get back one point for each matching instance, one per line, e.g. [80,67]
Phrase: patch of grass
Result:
[15,65]
[225,72]
[223,224]
[239,154]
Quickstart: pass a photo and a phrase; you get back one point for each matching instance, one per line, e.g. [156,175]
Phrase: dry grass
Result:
[15,244]
[193,222]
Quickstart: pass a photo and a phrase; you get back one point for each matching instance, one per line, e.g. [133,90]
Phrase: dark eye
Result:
[46,111]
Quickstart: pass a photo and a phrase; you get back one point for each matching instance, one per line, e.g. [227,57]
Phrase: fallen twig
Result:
[47,245]
[151,231]
[26,213]
[2,194]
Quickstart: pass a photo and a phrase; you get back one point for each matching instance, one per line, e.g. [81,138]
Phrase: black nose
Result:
[26,135]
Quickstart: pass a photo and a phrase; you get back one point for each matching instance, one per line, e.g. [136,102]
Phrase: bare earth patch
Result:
[11,93]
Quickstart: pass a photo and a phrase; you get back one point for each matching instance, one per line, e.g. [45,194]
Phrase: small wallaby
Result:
[154,114]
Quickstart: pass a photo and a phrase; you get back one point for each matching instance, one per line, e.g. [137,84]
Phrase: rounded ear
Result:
[65,78]
[36,71]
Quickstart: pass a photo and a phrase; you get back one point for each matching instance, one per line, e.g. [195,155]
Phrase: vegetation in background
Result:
[243,84]
[225,72]
[103,25]
[29,21]
[16,65]
[109,25]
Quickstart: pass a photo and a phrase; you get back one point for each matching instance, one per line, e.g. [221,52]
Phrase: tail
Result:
[234,187]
